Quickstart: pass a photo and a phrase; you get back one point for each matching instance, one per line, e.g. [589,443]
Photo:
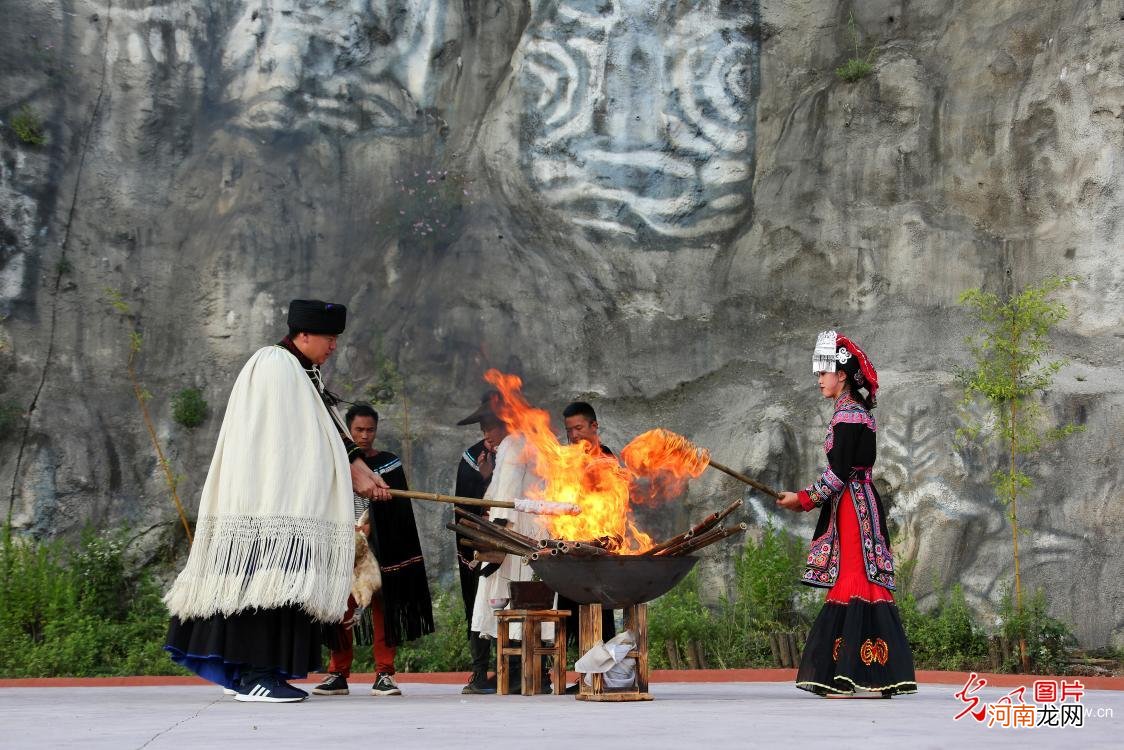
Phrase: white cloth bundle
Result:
[546,507]
[611,660]
[275,523]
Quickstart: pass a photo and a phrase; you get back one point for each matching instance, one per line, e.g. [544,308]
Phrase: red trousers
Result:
[384,655]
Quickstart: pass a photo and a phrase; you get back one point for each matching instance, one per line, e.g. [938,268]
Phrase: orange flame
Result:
[657,465]
[661,462]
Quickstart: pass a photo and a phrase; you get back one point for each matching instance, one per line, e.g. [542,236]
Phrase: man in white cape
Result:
[513,477]
[274,545]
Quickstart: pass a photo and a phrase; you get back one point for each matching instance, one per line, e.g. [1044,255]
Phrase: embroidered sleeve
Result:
[824,489]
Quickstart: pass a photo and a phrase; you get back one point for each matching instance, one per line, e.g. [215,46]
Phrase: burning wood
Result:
[653,468]
[487,536]
[492,534]
[705,525]
[705,539]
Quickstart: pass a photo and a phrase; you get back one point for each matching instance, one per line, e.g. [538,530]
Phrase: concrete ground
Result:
[685,716]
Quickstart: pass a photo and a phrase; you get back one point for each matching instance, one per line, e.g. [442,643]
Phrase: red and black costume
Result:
[401,611]
[857,642]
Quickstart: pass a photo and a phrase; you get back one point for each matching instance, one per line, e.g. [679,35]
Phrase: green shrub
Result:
[446,649]
[189,408]
[855,69]
[858,66]
[766,597]
[767,580]
[81,614]
[1046,638]
[946,637]
[28,127]
[679,617]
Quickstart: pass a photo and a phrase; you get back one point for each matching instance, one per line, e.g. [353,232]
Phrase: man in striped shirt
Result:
[402,610]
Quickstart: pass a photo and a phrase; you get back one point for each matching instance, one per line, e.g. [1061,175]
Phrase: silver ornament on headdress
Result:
[824,358]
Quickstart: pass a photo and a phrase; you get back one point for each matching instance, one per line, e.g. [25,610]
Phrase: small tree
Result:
[117,301]
[1010,350]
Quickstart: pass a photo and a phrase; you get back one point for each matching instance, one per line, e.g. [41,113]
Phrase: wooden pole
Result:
[436,497]
[760,487]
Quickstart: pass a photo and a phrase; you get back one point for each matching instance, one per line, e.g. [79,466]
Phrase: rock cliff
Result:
[650,205]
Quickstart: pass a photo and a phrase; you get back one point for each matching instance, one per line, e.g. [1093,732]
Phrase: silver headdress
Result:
[826,356]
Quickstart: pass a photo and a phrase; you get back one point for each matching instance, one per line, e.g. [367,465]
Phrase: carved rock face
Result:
[211,159]
[305,65]
[638,118]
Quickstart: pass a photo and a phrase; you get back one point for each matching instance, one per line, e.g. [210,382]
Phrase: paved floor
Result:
[685,716]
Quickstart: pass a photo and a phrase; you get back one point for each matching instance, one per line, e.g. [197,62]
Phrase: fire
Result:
[661,462]
[656,464]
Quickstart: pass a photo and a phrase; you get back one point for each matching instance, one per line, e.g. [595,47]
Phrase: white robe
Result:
[275,517]
[512,478]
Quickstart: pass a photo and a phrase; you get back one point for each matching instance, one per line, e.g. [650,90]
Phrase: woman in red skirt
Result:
[857,643]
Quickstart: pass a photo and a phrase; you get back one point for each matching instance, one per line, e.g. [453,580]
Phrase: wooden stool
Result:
[589,633]
[532,650]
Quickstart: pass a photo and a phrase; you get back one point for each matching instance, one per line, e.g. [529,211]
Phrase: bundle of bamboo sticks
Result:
[703,534]
[486,536]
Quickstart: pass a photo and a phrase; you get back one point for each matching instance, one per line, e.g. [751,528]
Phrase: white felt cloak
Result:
[275,521]
[512,478]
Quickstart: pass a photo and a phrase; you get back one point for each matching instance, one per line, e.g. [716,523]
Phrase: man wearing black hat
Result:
[274,545]
[474,474]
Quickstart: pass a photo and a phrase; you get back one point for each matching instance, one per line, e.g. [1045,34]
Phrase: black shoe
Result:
[546,688]
[480,685]
[333,684]
[385,685]
[270,689]
[574,689]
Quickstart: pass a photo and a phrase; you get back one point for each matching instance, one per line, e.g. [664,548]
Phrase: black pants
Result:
[479,649]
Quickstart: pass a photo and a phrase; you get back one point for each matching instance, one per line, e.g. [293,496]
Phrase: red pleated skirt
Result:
[852,582]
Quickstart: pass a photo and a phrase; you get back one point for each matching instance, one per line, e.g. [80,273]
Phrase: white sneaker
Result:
[270,689]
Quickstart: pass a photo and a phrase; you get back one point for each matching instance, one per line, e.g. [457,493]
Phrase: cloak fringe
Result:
[247,562]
